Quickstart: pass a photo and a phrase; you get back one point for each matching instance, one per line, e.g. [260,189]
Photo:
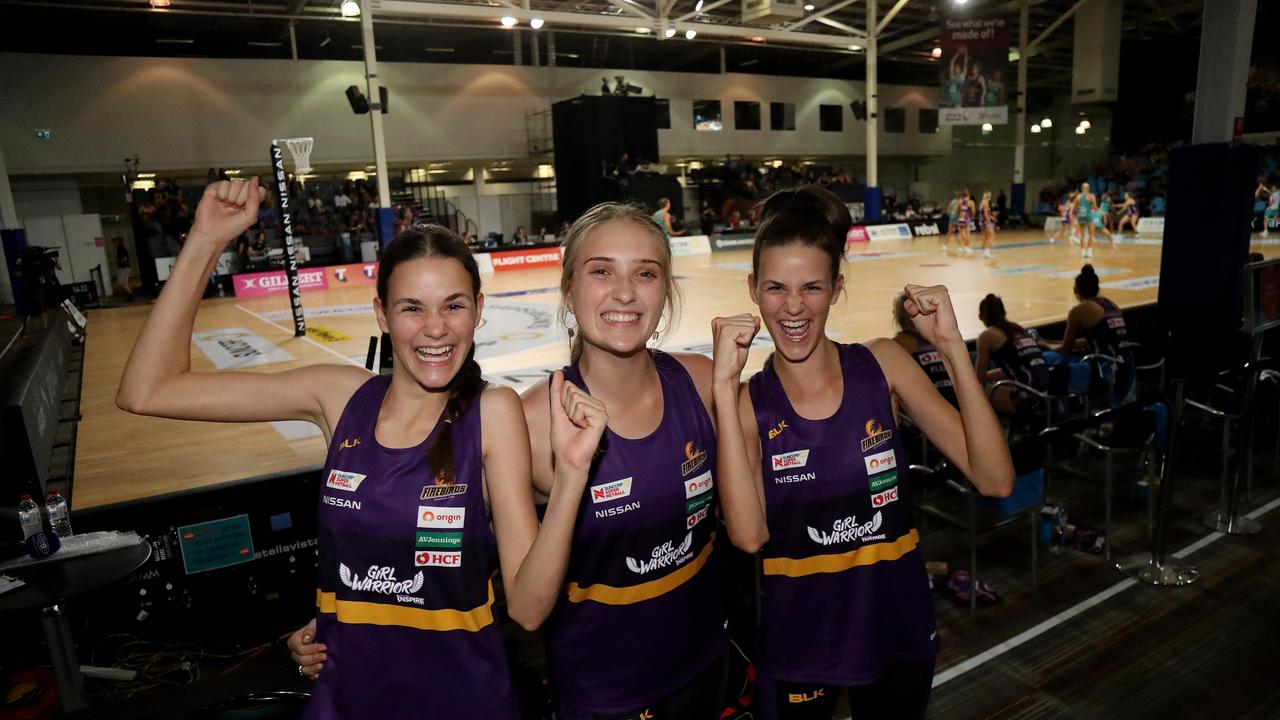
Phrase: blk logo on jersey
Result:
[880,462]
[349,443]
[776,430]
[791,460]
[876,435]
[665,555]
[615,490]
[441,518]
[434,492]
[343,480]
[848,530]
[694,458]
[884,498]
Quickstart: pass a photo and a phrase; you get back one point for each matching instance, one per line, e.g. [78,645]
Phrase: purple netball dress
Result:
[642,613]
[405,603]
[1021,359]
[844,586]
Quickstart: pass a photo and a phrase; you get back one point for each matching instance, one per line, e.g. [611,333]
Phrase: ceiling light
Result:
[146,176]
[1046,123]
[690,34]
[1035,129]
[535,23]
[808,7]
[671,32]
[698,7]
[160,3]
[756,38]
[643,30]
[1080,130]
[1014,55]
[350,8]
[175,41]
[1086,124]
[987,128]
[325,41]
[936,52]
[254,43]
[439,50]
[961,2]
[508,21]
[855,47]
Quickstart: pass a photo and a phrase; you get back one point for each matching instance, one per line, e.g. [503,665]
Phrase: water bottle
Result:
[59,513]
[29,516]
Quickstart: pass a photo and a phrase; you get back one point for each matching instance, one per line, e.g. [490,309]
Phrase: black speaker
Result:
[591,133]
[359,103]
[1206,243]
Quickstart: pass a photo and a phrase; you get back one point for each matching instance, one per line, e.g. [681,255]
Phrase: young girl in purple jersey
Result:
[416,461]
[640,628]
[812,471]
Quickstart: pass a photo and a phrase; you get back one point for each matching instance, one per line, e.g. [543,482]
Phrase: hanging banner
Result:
[975,57]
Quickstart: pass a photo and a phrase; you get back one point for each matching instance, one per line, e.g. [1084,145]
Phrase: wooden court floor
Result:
[122,458]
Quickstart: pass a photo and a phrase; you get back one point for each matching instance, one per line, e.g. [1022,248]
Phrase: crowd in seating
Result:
[1143,172]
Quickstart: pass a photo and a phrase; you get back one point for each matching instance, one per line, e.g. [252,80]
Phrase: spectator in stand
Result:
[520,237]
[123,269]
[341,200]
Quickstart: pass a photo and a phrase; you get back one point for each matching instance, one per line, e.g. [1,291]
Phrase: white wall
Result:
[180,113]
[46,198]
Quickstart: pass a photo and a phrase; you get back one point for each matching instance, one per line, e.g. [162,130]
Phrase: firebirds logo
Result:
[694,458]
[876,435]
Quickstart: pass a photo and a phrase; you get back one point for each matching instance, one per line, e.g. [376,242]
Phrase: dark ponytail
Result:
[435,241]
[1087,283]
[993,313]
[808,215]
[463,390]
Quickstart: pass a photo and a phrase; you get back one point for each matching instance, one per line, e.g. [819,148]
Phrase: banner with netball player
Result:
[972,69]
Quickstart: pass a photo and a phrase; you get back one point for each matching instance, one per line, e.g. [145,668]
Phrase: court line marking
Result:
[329,350]
[986,656]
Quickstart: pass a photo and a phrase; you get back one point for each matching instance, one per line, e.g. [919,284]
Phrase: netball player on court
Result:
[953,216]
[925,354]
[640,629]
[416,461]
[1096,324]
[987,224]
[1006,351]
[1103,223]
[1085,210]
[964,219]
[1128,214]
[813,470]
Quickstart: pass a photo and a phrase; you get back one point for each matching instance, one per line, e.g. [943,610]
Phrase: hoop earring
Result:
[570,324]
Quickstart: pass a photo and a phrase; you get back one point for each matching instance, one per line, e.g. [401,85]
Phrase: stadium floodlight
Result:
[350,8]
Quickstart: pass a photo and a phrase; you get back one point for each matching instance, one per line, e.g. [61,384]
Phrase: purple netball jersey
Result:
[405,603]
[642,613]
[844,589]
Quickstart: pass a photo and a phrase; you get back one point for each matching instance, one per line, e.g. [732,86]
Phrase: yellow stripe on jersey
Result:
[353,612]
[610,595]
[865,555]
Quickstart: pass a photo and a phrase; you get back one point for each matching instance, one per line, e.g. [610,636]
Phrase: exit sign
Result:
[44,133]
